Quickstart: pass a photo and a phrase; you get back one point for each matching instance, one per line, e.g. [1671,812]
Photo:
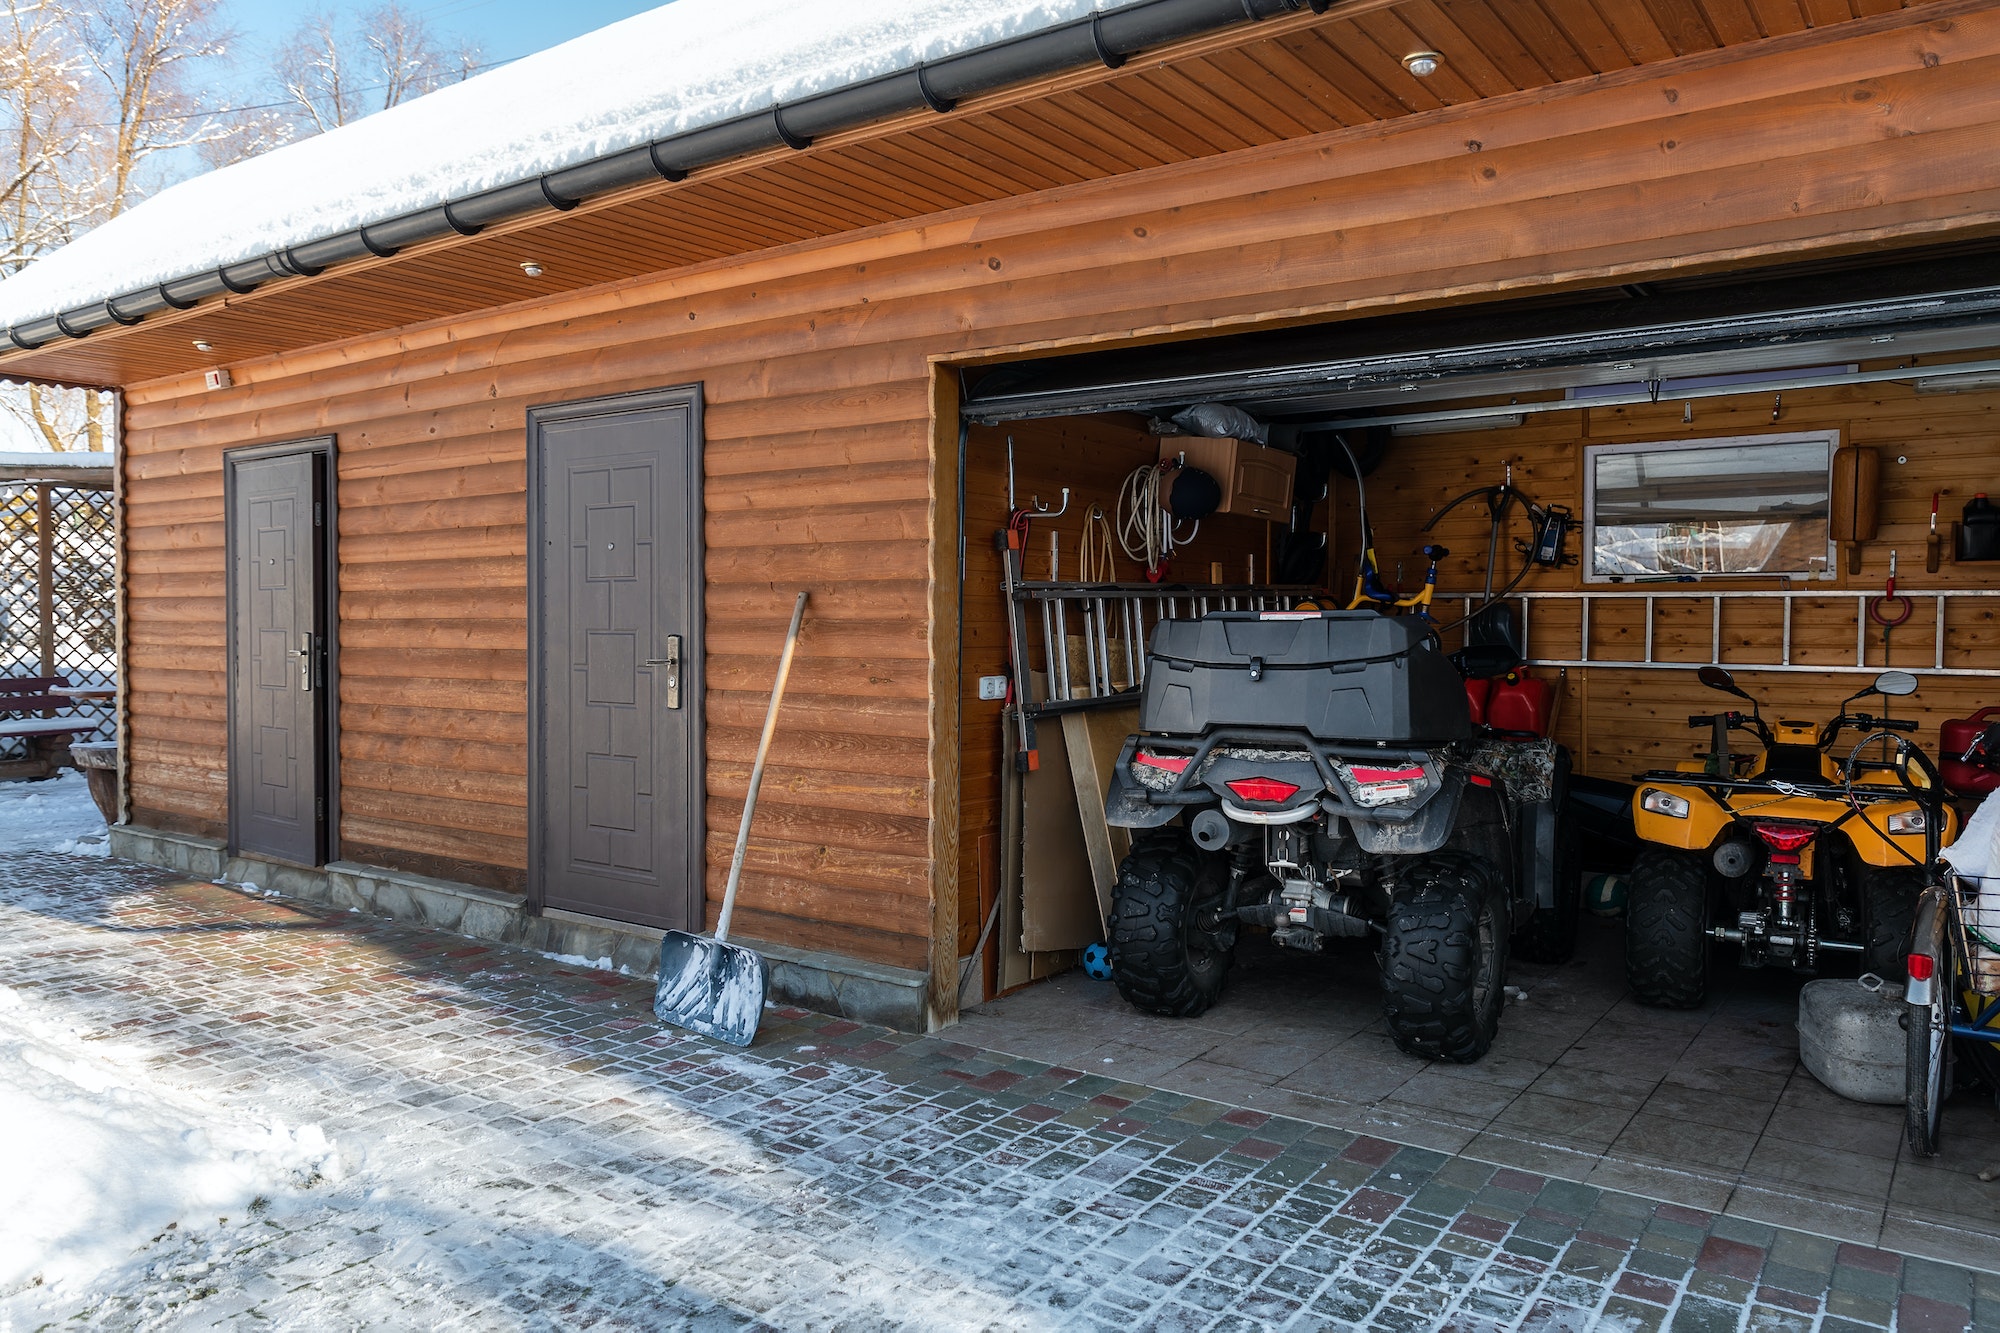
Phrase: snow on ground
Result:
[681,67]
[56,815]
[103,1156]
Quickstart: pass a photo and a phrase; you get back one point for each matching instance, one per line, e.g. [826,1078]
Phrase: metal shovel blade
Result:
[717,990]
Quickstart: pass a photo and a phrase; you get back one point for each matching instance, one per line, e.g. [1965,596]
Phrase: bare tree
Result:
[41,101]
[143,52]
[330,74]
[90,95]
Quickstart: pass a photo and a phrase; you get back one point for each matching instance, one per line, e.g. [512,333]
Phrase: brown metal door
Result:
[277,797]
[614,770]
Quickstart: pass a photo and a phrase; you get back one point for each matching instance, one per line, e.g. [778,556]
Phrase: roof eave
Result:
[1107,38]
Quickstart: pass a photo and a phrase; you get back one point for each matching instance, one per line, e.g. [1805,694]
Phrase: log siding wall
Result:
[825,469]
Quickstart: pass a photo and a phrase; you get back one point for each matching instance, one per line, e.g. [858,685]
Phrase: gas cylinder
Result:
[1477,691]
[1519,702]
[1962,778]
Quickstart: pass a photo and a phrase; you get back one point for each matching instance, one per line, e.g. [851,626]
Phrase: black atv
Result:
[1317,773]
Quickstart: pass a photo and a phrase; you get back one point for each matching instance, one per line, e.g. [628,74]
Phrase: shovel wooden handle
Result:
[757,771]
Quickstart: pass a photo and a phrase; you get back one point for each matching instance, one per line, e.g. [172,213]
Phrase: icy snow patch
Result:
[676,68]
[578,960]
[56,815]
[102,1156]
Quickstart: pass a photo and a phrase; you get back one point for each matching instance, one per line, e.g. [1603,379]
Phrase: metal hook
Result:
[1043,511]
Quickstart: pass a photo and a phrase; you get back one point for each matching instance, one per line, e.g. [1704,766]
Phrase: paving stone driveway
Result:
[528,1150]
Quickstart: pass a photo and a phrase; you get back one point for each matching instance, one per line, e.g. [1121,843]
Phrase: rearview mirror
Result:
[1895,682]
[1717,679]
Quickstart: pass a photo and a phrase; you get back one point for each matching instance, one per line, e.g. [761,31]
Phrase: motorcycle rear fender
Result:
[1928,939]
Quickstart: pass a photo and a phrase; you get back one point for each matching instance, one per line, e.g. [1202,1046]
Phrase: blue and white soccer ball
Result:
[1097,962]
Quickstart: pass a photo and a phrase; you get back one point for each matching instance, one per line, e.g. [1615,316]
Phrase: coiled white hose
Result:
[1145,526]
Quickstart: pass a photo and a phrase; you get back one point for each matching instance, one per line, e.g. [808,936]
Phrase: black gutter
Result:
[1107,39]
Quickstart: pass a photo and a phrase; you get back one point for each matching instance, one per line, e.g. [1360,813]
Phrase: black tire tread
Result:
[1889,907]
[1666,955]
[1157,882]
[1430,962]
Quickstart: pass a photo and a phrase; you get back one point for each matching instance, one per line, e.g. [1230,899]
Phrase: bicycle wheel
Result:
[1927,1066]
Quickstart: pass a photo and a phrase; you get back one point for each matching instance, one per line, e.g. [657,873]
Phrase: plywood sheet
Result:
[1058,903]
[1018,965]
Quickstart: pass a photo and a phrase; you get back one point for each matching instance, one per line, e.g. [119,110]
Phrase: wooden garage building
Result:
[375,486]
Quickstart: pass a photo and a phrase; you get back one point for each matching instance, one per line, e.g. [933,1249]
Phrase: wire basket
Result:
[1975,920]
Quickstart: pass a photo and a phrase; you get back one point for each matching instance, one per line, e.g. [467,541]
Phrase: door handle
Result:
[672,662]
[304,652]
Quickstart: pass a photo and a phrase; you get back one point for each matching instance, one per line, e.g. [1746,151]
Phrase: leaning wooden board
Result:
[1094,740]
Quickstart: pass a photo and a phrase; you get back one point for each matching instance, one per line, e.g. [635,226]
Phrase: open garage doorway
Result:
[1645,482]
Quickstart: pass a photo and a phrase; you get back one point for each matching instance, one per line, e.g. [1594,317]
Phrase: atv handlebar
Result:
[1749,722]
[1863,722]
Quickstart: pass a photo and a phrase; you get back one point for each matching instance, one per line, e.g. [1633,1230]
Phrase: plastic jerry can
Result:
[1979,530]
[1953,737]
[1519,702]
[1477,692]
[1851,1037]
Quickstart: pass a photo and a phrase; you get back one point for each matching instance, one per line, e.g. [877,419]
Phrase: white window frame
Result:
[1824,569]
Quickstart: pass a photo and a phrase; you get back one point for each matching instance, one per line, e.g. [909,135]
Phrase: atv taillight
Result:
[1171,763]
[1370,776]
[1263,789]
[1786,837]
[1375,785]
[1922,966]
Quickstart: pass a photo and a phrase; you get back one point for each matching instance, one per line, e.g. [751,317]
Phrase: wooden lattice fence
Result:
[58,560]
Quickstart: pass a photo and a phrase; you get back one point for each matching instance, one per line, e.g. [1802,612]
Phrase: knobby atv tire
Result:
[1444,957]
[1666,929]
[1161,960]
[1889,906]
[1549,936]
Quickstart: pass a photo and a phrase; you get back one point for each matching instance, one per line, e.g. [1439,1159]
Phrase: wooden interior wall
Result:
[1092,456]
[1620,722]
[817,361]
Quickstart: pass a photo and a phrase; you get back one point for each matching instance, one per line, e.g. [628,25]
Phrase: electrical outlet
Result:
[993,687]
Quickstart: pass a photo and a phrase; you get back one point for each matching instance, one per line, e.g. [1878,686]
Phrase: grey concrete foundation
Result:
[866,992]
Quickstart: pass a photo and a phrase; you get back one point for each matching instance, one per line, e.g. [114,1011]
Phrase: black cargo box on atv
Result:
[1341,675]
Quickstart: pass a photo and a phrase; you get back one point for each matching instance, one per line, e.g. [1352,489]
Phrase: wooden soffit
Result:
[1259,84]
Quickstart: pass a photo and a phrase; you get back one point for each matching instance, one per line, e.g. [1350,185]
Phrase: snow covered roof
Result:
[682,67]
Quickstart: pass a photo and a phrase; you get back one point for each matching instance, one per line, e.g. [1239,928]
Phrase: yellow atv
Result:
[1790,853]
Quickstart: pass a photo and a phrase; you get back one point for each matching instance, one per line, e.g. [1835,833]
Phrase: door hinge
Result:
[319,515]
[319,807]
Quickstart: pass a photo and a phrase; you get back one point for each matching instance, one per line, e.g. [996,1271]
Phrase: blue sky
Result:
[505,28]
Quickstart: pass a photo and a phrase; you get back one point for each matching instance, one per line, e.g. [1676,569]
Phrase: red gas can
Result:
[1477,692]
[1519,702]
[1953,737]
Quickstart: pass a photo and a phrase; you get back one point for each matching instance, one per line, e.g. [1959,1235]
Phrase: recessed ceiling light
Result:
[531,268]
[203,345]
[1423,64]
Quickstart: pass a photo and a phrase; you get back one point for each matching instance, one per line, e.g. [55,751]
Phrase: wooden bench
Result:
[47,737]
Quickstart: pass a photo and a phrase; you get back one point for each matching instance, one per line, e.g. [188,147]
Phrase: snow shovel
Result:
[709,985]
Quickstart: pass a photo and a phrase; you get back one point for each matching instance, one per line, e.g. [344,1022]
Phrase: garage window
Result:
[1746,505]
